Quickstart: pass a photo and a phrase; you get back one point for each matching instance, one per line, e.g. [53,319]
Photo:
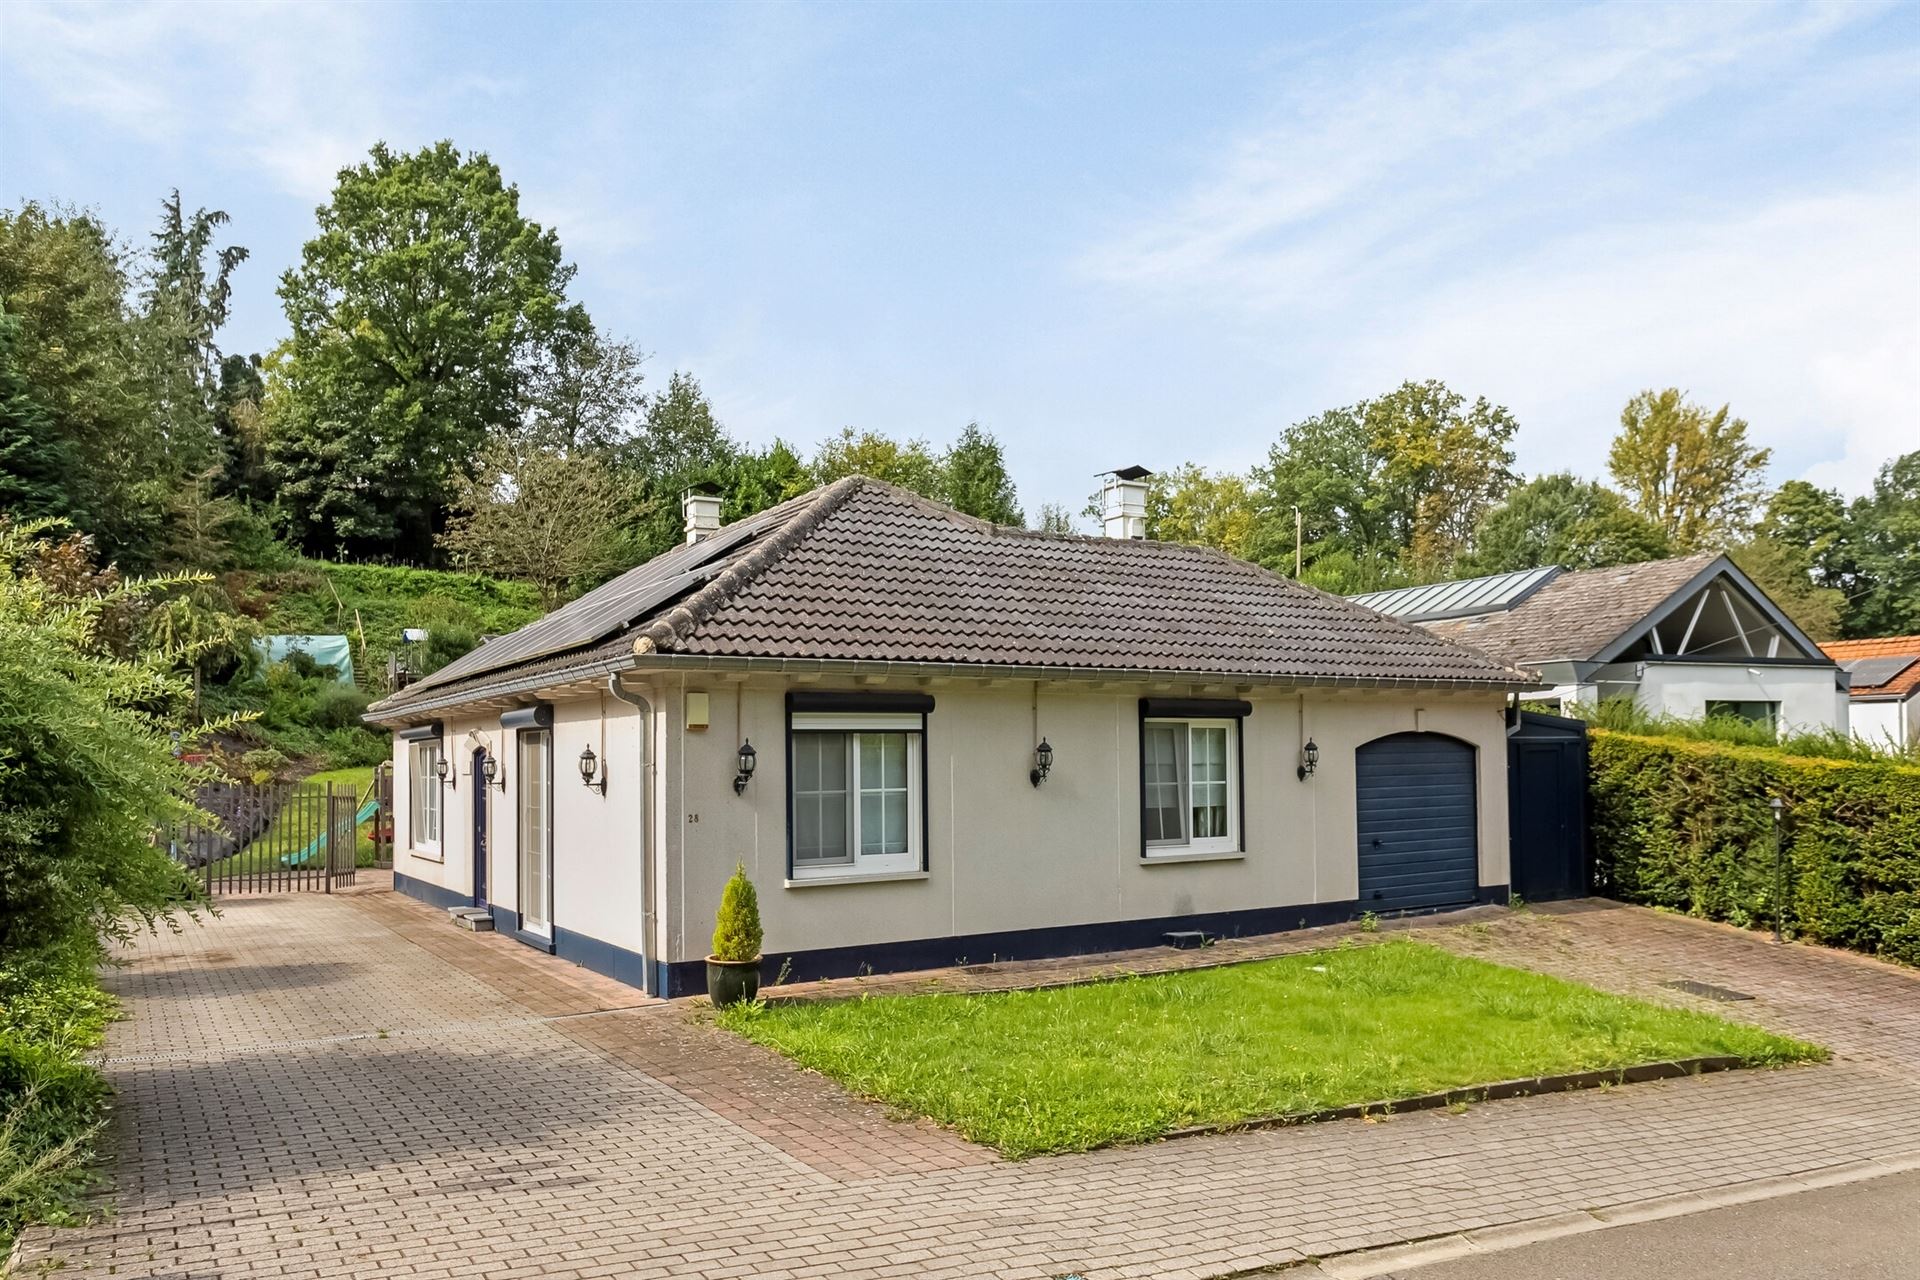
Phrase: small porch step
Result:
[472,919]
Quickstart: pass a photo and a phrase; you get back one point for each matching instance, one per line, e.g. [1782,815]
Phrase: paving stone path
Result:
[346,1086]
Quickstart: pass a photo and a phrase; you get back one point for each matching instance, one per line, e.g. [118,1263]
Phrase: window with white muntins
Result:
[1190,786]
[423,777]
[856,793]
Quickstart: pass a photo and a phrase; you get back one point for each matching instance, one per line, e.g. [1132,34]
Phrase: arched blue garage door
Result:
[1419,841]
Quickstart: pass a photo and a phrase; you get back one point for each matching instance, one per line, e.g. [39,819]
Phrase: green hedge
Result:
[1687,825]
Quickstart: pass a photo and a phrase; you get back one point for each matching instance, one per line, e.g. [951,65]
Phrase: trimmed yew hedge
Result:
[1686,825]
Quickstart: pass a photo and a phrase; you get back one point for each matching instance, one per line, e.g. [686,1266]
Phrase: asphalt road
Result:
[1861,1231]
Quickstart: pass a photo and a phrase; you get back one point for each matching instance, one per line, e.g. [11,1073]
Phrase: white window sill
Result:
[1226,855]
[427,855]
[854,877]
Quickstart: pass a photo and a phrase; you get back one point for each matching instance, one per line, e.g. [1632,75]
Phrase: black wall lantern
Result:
[490,772]
[746,765]
[590,766]
[1309,760]
[443,770]
[1042,763]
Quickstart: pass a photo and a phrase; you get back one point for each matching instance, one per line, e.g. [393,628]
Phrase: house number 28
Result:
[693,817]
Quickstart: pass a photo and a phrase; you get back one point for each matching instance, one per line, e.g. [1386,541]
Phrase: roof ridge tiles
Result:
[698,607]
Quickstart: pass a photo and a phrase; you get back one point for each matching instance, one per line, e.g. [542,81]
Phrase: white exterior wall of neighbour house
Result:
[1004,855]
[1886,721]
[1810,698]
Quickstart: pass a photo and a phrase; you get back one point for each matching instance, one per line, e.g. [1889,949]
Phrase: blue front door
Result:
[479,790]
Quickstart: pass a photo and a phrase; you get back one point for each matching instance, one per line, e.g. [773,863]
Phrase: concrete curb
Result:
[1525,1088]
[1373,1264]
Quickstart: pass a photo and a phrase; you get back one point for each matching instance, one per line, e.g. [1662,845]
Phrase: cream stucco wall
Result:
[1004,855]
[598,866]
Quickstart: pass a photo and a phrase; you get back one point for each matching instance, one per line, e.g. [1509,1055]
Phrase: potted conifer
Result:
[733,970]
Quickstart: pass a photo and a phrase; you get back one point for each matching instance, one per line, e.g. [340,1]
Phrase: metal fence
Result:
[288,836]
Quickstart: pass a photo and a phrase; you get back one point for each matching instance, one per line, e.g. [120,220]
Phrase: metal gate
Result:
[1547,805]
[285,837]
[1419,822]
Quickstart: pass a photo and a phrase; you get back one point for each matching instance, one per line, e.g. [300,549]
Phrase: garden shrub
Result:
[87,771]
[736,932]
[1686,824]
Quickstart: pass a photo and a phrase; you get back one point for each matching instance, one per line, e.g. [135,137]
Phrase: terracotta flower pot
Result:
[732,981]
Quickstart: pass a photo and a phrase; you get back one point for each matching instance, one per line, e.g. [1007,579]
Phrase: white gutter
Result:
[508,687]
[643,775]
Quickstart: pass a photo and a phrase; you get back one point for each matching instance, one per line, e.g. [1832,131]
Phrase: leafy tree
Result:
[1405,475]
[1688,469]
[87,767]
[1444,464]
[976,479]
[583,391]
[1564,520]
[417,313]
[1055,518]
[680,442]
[1189,504]
[37,461]
[1813,521]
[77,345]
[1783,572]
[910,464]
[1886,540]
[1325,467]
[185,305]
[758,479]
[535,513]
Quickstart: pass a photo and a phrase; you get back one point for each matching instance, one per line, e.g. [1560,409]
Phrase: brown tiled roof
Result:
[1902,684]
[1576,615]
[871,573]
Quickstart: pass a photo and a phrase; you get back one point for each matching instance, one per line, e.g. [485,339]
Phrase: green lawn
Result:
[1079,1067]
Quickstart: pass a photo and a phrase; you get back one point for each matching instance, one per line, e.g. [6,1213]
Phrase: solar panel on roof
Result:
[1868,672]
[1460,598]
[612,605]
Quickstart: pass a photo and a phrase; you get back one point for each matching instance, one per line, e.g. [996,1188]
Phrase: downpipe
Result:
[643,771]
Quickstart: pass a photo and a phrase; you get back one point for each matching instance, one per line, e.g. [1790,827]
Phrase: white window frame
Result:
[533,810]
[1187,845]
[424,810]
[859,864]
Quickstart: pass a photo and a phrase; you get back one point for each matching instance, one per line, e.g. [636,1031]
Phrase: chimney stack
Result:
[702,511]
[1123,507]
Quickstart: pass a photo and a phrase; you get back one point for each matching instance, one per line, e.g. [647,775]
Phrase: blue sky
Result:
[1110,233]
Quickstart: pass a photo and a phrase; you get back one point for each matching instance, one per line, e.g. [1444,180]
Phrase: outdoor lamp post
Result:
[443,770]
[744,767]
[1779,870]
[490,772]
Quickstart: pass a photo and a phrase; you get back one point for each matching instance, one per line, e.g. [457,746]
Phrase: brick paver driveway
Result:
[309,1086]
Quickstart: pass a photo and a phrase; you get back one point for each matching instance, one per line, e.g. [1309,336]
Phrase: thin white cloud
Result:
[1803,315]
[1467,212]
[295,89]
[1367,156]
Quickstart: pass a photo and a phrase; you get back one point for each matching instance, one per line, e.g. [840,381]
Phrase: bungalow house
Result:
[1688,637]
[931,739]
[1885,691]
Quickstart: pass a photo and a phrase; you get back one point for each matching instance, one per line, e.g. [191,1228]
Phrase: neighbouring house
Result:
[1688,637]
[1885,674]
[930,739]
